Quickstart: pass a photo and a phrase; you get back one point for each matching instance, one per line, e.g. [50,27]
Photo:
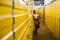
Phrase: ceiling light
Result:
[21,2]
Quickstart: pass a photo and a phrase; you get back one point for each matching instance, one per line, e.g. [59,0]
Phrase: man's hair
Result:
[34,12]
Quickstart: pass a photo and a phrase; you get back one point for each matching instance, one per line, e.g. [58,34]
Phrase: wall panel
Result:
[52,16]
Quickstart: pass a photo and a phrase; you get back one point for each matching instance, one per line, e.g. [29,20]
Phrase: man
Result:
[36,21]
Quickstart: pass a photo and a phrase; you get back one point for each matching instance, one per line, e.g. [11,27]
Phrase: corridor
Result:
[44,33]
[18,19]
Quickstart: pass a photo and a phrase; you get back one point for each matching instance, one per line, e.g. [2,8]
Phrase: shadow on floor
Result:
[44,33]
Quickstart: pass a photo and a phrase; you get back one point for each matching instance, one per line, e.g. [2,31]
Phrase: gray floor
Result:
[43,34]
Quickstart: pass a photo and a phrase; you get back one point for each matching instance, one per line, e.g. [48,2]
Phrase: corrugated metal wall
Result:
[52,17]
[23,21]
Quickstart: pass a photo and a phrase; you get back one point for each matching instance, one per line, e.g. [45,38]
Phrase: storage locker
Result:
[52,16]
[6,3]
[5,18]
[57,19]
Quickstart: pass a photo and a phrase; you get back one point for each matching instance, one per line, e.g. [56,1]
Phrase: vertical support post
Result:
[44,12]
[13,19]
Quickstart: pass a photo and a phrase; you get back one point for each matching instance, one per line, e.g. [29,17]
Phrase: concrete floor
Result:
[44,33]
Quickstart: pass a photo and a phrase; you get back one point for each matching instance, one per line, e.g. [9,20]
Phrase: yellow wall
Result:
[52,17]
[57,0]
[41,13]
[23,26]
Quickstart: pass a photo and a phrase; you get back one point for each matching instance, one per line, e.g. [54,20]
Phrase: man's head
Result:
[34,12]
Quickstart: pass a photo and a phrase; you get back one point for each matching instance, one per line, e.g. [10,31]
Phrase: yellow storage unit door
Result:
[57,0]
[6,2]
[20,19]
[57,19]
[21,35]
[18,6]
[41,12]
[52,17]
[5,18]
[26,32]
[29,33]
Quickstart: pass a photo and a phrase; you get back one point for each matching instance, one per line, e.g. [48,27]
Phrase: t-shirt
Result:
[36,16]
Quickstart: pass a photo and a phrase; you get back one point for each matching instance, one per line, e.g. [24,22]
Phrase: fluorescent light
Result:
[21,2]
[35,7]
[48,1]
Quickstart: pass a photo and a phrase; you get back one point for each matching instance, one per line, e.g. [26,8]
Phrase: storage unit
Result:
[23,17]
[5,17]
[52,17]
